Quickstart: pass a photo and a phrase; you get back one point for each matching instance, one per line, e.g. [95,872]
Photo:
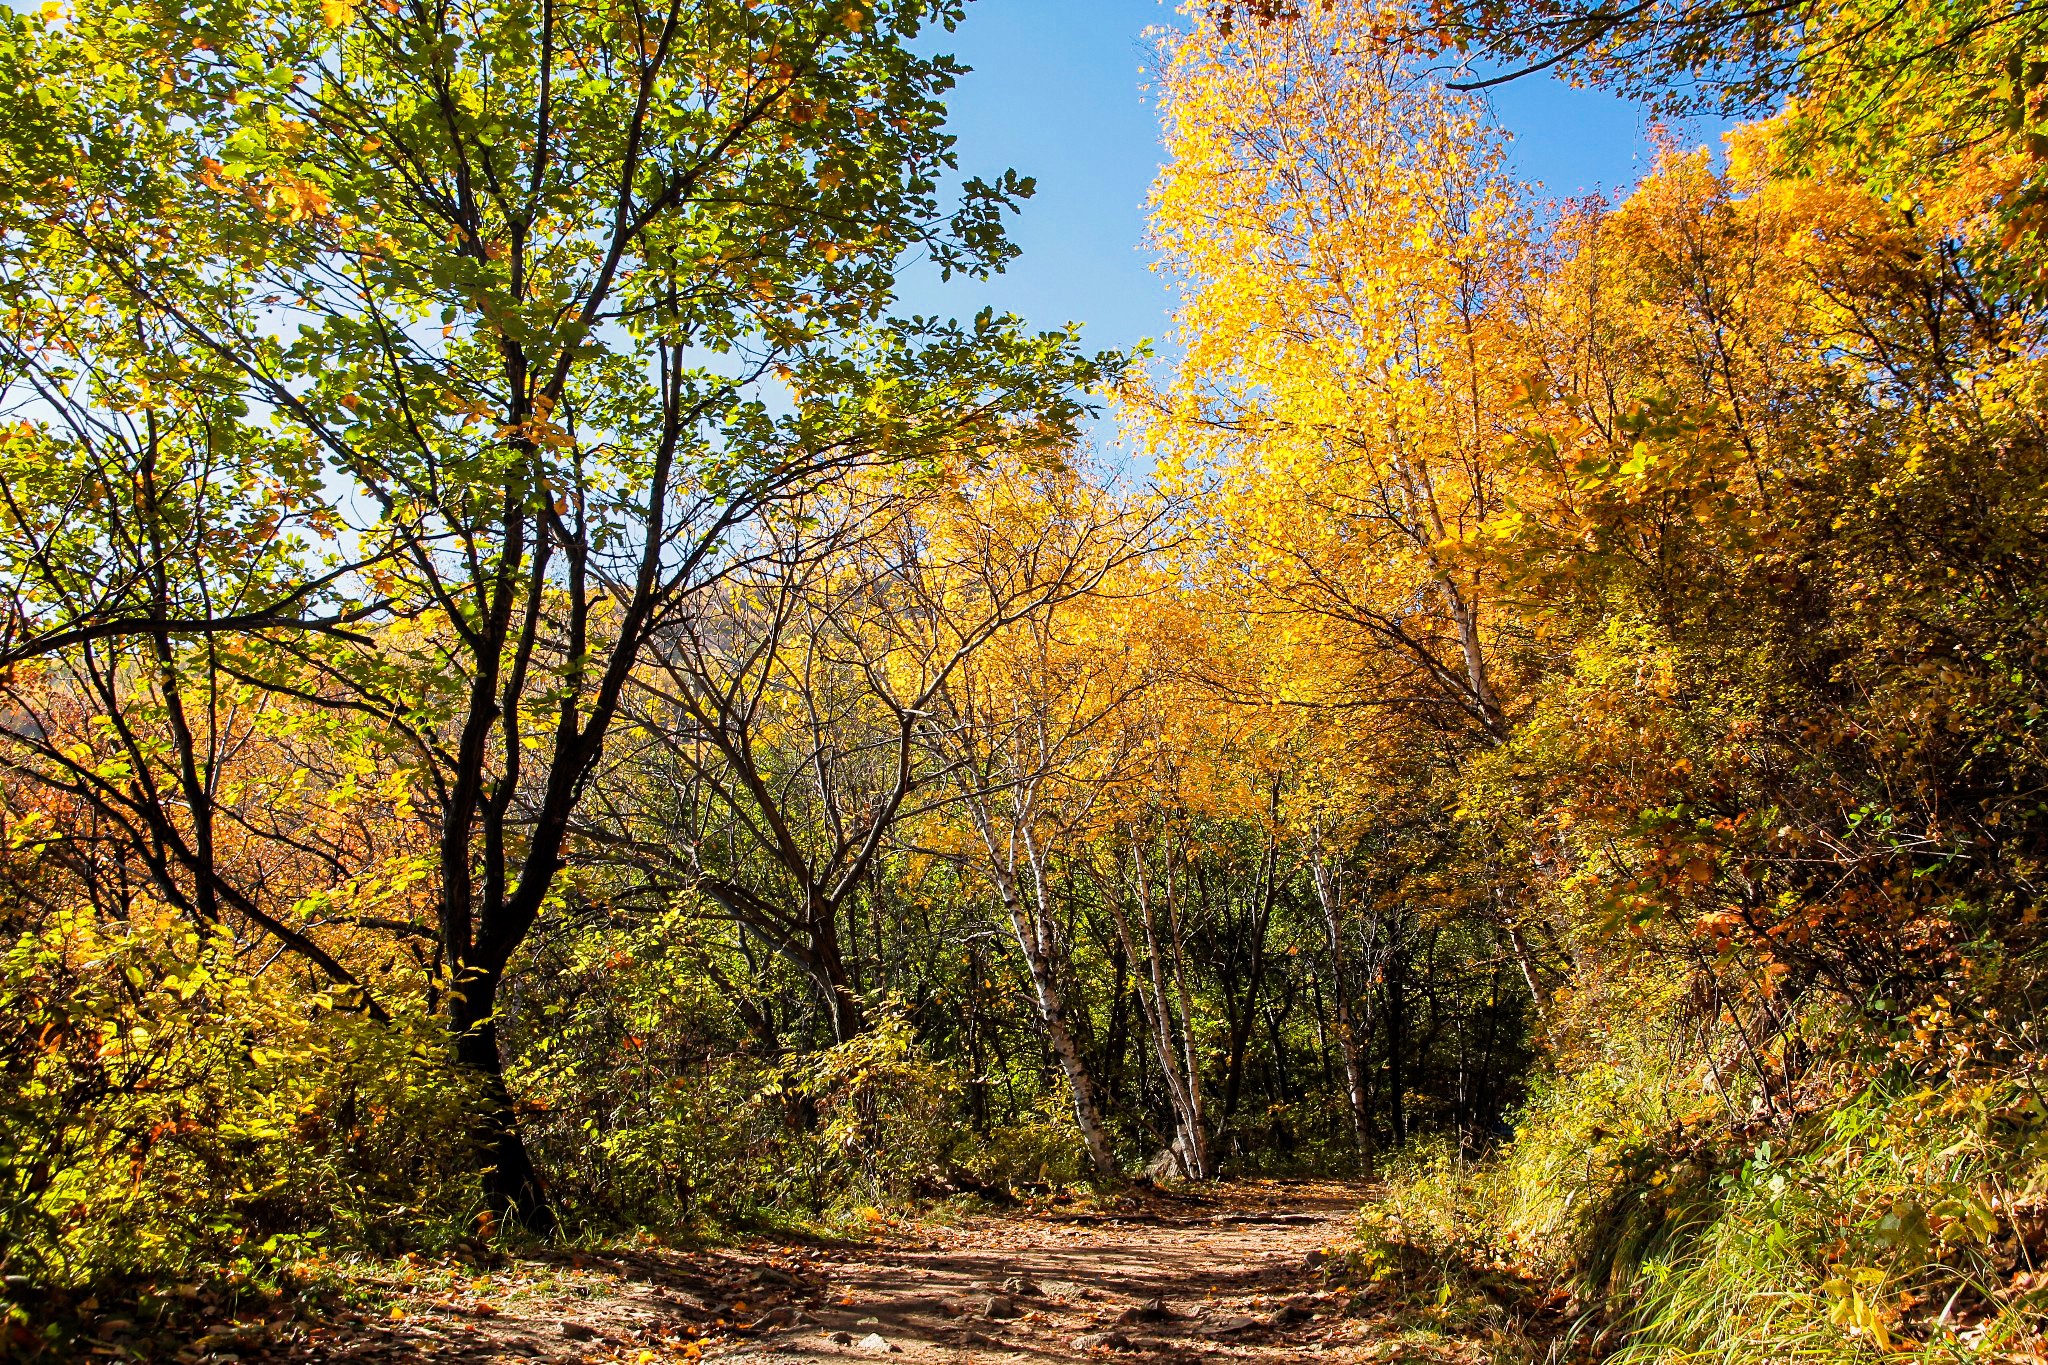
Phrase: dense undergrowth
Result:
[1866,1207]
[168,1116]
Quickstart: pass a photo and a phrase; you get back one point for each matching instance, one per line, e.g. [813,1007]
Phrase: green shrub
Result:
[1043,1146]
[164,1112]
[644,1113]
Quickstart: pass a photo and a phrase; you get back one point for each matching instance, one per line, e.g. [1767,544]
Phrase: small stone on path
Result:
[1108,1341]
[1224,1327]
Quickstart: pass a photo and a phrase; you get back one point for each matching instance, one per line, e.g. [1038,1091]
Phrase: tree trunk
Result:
[512,1186]
[1199,1160]
[1397,1038]
[842,1002]
[1350,1046]
[1539,1004]
[1244,1013]
[1172,1034]
[1087,1107]
[1034,934]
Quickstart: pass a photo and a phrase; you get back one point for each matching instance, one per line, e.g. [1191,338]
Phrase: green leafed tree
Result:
[413,364]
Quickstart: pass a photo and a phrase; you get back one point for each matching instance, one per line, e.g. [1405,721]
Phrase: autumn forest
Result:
[543,710]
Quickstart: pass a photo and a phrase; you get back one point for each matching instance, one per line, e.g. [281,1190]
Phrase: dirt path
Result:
[1217,1276]
[1222,1274]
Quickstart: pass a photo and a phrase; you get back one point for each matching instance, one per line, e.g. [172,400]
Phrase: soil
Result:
[1226,1273]
[1222,1275]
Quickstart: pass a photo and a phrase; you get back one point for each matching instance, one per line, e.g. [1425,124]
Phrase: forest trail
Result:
[1223,1273]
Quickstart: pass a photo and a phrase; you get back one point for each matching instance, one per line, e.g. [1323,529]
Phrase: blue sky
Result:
[1058,93]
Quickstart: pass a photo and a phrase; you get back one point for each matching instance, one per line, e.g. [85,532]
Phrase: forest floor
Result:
[1237,1272]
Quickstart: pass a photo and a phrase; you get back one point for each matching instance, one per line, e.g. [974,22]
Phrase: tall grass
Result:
[1880,1218]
